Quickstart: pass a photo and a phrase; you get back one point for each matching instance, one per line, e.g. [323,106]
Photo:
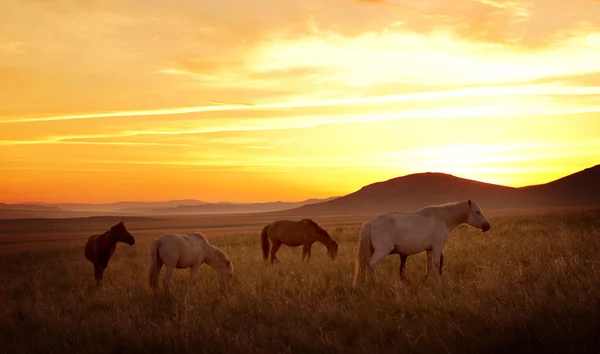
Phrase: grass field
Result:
[532,284]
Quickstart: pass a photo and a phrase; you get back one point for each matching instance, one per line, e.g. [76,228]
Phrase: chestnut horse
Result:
[99,248]
[295,233]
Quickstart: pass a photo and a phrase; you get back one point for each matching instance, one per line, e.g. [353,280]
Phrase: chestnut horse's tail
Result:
[155,265]
[265,241]
[364,253]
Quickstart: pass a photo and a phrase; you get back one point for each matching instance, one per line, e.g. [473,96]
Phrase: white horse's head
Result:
[476,218]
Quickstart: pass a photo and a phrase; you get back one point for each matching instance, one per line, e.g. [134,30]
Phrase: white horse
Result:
[411,233]
[185,251]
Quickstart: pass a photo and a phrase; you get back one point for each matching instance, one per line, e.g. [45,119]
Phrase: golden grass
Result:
[532,284]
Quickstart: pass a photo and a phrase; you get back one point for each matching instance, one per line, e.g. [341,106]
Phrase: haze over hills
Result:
[231,208]
[131,208]
[123,206]
[412,192]
[406,193]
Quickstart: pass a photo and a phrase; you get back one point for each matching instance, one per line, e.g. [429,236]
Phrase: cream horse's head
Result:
[222,265]
[476,218]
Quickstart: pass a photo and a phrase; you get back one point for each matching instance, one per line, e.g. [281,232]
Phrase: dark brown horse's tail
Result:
[155,265]
[265,241]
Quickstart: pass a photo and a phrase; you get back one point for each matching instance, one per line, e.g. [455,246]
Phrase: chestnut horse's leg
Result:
[274,249]
[306,251]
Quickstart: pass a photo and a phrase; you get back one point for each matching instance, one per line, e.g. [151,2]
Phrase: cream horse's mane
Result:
[222,256]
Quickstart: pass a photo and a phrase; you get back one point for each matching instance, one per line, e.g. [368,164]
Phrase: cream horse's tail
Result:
[364,253]
[264,236]
[155,265]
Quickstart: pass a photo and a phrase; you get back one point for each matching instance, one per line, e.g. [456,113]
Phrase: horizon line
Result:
[39,203]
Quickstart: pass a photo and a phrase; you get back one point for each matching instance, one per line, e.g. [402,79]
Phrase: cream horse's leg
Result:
[192,280]
[167,280]
[193,272]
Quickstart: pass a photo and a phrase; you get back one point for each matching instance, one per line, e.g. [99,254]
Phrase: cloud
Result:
[495,91]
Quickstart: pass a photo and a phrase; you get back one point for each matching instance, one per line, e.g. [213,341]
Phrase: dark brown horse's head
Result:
[332,246]
[120,233]
[332,249]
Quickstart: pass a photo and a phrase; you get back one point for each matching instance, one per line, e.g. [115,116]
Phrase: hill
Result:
[580,188]
[412,192]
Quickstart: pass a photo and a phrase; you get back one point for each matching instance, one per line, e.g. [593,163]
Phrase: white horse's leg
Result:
[377,257]
[436,260]
[429,257]
[167,280]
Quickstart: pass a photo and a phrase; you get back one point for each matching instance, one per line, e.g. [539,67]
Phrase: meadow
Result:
[531,284]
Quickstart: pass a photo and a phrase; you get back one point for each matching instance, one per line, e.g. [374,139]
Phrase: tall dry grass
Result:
[532,284]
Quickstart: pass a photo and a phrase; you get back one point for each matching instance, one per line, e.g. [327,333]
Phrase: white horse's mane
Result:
[448,211]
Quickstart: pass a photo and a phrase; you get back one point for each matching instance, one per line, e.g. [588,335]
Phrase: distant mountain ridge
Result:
[226,207]
[405,193]
[412,192]
[171,207]
[123,205]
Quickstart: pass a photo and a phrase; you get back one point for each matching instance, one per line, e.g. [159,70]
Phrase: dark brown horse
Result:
[296,233]
[99,248]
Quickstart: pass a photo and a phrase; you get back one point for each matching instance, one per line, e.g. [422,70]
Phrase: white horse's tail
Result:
[155,265]
[364,253]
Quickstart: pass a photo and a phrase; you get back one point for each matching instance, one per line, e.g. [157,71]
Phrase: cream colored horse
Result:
[411,233]
[185,251]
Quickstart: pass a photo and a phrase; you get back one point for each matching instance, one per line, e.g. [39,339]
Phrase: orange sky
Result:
[262,100]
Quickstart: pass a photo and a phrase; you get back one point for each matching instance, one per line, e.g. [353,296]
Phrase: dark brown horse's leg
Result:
[98,273]
[306,251]
[402,266]
[441,262]
[274,249]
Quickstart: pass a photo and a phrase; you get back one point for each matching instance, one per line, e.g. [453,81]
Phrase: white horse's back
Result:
[409,232]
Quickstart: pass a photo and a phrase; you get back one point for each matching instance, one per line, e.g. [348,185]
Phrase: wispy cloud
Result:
[521,90]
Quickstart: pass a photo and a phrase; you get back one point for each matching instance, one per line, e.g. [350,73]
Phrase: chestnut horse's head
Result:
[120,233]
[332,246]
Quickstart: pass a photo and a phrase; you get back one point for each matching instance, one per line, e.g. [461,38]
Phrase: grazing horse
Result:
[185,251]
[411,233]
[99,248]
[295,233]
